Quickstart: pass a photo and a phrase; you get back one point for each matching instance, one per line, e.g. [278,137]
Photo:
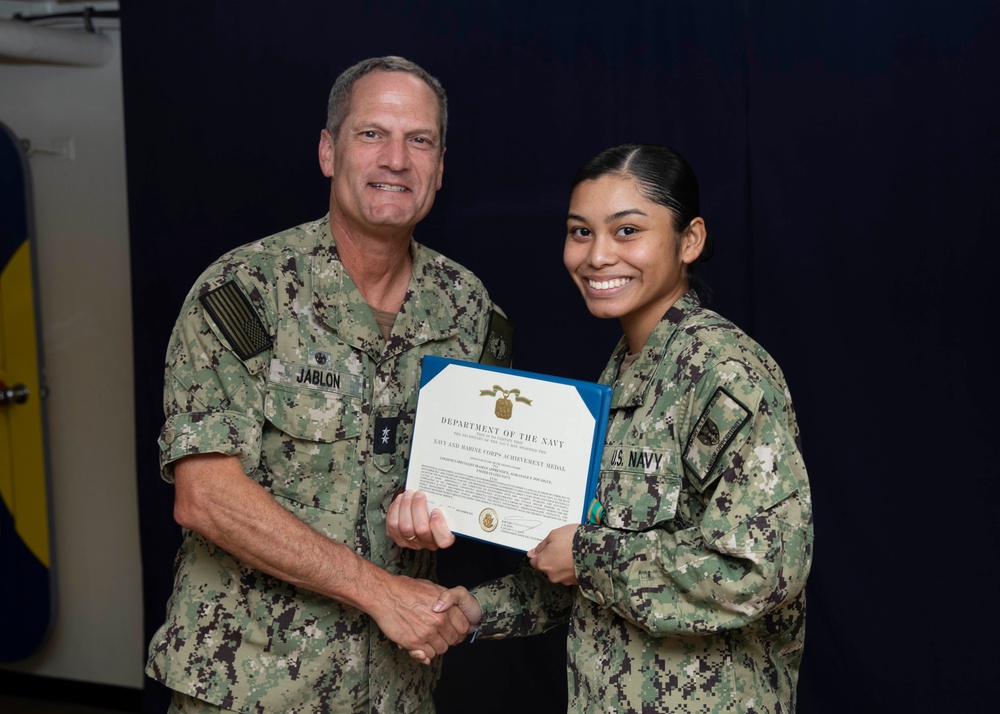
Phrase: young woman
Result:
[688,595]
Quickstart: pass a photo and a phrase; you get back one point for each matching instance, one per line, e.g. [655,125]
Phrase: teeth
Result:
[387,187]
[608,284]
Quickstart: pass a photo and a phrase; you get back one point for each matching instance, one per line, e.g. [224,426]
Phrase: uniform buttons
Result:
[599,596]
[169,435]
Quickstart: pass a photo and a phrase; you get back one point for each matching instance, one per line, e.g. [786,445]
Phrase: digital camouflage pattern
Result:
[291,374]
[691,593]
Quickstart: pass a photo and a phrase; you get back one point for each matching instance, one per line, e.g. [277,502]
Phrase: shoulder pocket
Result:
[718,425]
[236,312]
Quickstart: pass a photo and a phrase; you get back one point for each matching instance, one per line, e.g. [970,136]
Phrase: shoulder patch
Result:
[231,309]
[715,429]
[499,347]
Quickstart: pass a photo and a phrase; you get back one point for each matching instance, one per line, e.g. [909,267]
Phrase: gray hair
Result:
[339,104]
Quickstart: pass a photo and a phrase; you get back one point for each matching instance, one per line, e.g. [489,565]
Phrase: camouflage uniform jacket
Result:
[691,592]
[277,359]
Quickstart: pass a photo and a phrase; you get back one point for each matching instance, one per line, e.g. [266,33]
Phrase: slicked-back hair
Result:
[664,177]
[339,104]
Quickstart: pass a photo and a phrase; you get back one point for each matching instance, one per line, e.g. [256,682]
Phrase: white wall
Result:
[84,283]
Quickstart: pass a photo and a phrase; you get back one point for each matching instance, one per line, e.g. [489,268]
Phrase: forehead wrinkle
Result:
[380,107]
[370,124]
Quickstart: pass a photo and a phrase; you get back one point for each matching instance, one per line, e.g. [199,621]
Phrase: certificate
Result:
[506,455]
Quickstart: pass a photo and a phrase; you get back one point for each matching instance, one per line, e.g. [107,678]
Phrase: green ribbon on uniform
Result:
[595,513]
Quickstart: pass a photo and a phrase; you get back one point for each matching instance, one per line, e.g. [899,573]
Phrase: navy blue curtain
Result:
[848,157]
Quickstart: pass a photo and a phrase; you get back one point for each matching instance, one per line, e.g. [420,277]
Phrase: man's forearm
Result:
[215,498]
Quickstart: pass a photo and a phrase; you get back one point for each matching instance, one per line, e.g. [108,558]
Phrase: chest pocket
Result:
[638,487]
[312,451]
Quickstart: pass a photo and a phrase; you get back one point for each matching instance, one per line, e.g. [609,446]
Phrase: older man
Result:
[291,384]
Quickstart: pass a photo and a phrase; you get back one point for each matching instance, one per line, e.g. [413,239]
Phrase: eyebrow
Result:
[369,124]
[613,217]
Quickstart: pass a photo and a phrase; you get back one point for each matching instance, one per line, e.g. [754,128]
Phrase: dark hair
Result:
[339,104]
[664,177]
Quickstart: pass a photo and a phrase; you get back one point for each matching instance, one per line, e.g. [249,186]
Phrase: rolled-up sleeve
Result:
[212,399]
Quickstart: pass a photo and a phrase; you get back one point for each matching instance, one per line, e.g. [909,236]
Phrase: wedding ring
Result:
[412,537]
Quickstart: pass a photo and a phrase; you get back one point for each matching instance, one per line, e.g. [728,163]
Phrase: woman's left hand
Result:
[554,555]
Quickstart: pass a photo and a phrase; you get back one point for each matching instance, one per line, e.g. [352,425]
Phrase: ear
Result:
[693,241]
[327,151]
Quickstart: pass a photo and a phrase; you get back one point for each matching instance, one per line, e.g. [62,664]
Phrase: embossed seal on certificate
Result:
[488,520]
[504,407]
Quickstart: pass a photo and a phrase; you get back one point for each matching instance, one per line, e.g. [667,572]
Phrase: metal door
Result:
[26,572]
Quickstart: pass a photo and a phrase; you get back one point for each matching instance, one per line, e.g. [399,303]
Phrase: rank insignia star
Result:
[385,435]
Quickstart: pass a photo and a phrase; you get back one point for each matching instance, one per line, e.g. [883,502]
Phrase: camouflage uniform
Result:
[691,591]
[277,359]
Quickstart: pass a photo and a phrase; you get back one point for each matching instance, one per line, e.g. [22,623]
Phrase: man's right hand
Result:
[457,599]
[409,615]
[410,526]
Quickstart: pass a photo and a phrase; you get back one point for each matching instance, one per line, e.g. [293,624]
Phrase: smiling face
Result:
[624,254]
[387,162]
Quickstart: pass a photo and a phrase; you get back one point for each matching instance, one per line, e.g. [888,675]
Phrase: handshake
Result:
[427,618]
[438,617]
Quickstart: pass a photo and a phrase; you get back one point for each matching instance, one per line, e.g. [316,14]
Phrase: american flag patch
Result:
[235,316]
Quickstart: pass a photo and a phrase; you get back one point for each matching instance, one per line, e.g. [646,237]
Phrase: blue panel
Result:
[13,216]
[25,603]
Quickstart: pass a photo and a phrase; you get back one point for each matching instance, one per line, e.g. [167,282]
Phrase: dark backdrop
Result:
[848,155]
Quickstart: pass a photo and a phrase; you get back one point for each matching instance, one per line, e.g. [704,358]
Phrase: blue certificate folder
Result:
[491,479]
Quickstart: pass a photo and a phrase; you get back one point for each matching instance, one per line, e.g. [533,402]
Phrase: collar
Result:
[630,388]
[339,304]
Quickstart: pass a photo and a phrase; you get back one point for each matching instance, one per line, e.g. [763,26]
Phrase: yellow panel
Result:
[21,424]
[6,448]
